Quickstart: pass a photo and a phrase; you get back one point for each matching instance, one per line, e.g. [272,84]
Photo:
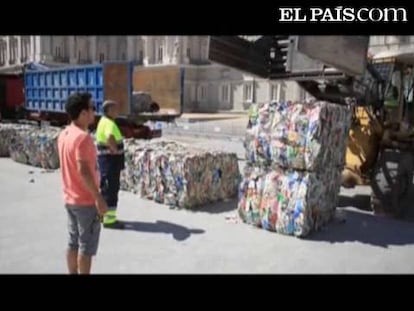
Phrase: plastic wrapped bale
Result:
[178,175]
[124,178]
[141,166]
[37,147]
[250,195]
[296,135]
[298,202]
[8,134]
[217,178]
[158,164]
[226,175]
[257,141]
[134,174]
[188,177]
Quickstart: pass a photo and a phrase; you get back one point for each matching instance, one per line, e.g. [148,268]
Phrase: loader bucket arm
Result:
[330,68]
[290,56]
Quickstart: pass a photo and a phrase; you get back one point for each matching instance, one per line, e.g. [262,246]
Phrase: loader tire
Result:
[392,183]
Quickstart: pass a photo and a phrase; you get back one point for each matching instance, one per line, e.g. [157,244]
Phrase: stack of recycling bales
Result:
[295,153]
[36,147]
[8,135]
[178,175]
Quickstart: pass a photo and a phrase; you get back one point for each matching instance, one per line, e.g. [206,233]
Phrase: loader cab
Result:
[396,68]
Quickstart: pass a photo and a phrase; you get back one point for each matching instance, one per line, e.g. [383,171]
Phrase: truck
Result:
[337,69]
[143,93]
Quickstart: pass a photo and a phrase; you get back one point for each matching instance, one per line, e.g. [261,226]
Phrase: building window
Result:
[88,50]
[377,40]
[141,55]
[58,51]
[160,54]
[392,39]
[282,92]
[101,57]
[3,51]
[225,93]
[123,56]
[13,50]
[79,55]
[188,52]
[193,93]
[25,44]
[202,93]
[274,92]
[404,39]
[248,92]
[204,48]
[75,40]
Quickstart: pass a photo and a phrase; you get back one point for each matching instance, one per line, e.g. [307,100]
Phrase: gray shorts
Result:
[84,229]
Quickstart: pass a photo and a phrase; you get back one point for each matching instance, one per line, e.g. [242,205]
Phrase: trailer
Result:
[11,94]
[137,89]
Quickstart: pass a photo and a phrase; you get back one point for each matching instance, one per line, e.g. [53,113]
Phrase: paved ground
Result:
[203,117]
[160,240]
[234,128]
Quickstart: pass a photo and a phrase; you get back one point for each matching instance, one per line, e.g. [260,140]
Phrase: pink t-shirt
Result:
[75,144]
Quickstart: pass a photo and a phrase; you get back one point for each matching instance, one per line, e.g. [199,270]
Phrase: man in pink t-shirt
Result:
[78,165]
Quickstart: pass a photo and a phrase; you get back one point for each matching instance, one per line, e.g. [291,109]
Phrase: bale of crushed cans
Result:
[302,136]
[290,202]
[8,135]
[36,147]
[177,175]
[295,154]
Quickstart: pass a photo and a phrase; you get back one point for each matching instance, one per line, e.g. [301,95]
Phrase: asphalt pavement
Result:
[33,234]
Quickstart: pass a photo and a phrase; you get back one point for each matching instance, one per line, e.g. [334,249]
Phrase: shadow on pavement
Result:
[179,233]
[368,229]
[217,207]
[361,202]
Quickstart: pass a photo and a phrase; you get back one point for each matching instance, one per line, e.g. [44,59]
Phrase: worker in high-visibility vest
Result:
[111,160]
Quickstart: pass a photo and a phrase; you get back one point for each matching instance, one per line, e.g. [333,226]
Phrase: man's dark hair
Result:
[77,103]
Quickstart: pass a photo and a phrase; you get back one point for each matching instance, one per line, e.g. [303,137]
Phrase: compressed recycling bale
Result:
[295,135]
[178,175]
[250,195]
[288,201]
[134,175]
[140,158]
[226,178]
[8,134]
[297,202]
[295,153]
[37,147]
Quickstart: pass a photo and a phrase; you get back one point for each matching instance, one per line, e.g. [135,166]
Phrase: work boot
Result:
[110,221]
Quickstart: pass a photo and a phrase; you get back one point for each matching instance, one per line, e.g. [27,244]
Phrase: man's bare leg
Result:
[84,264]
[72,261]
